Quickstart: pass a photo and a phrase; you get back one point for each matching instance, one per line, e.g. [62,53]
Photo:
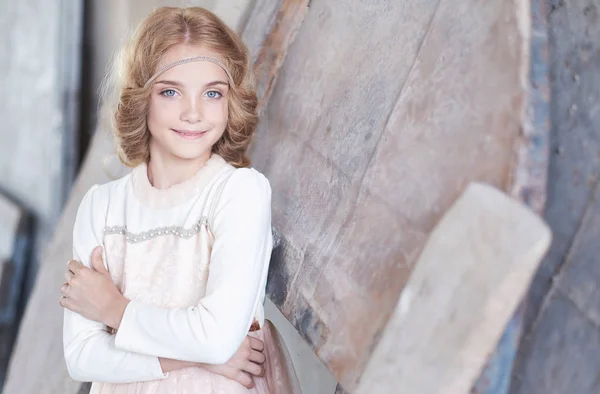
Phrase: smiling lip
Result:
[190,135]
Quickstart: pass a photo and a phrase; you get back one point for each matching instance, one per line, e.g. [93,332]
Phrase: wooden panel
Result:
[283,23]
[529,185]
[468,281]
[371,132]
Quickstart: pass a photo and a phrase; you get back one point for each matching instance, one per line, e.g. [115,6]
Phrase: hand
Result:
[247,362]
[92,293]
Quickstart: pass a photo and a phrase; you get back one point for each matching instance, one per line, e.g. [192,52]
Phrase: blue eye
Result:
[168,93]
[213,94]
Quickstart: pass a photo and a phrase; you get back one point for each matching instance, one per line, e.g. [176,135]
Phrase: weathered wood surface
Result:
[277,24]
[475,267]
[562,330]
[381,114]
[529,186]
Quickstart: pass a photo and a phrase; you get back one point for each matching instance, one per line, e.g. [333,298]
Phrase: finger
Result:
[67,303]
[97,261]
[65,289]
[253,369]
[257,357]
[244,379]
[64,302]
[75,266]
[256,343]
[263,371]
[68,276]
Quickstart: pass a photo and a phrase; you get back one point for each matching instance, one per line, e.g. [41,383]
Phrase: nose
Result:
[192,110]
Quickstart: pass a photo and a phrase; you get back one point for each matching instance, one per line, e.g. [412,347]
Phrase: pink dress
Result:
[158,249]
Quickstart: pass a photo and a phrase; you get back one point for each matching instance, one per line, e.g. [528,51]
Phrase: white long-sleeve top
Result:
[193,259]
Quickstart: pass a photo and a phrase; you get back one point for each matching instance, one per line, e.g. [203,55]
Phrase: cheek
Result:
[217,112]
[218,117]
[224,114]
[159,113]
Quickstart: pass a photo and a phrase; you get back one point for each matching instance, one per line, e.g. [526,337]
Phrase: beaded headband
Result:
[190,60]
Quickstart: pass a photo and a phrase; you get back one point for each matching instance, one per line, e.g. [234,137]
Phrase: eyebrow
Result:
[179,84]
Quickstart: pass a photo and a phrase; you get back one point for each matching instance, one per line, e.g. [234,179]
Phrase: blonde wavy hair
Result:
[161,30]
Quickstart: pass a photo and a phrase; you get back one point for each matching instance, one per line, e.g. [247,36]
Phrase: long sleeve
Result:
[212,331]
[90,351]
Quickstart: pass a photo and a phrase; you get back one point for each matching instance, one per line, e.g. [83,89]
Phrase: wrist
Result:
[116,311]
[169,365]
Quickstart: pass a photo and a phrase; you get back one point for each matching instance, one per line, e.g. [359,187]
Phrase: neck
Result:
[164,172]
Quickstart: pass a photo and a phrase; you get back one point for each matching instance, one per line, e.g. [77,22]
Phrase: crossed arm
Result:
[149,336]
[91,293]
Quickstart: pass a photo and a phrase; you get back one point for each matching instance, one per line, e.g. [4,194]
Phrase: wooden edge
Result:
[468,281]
[530,173]
[274,48]
[529,182]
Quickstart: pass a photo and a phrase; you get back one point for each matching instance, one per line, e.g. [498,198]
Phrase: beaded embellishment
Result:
[178,231]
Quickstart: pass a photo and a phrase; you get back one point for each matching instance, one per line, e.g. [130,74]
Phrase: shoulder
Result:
[99,195]
[248,183]
[245,202]
[246,192]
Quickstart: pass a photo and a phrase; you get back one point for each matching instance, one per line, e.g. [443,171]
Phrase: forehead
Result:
[197,71]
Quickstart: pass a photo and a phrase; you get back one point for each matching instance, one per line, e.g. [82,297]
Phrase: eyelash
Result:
[220,95]
[217,92]
[164,92]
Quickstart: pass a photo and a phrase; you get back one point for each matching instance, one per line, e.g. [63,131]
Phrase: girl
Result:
[184,120]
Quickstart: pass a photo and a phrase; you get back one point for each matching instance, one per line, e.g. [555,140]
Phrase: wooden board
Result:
[370,132]
[468,281]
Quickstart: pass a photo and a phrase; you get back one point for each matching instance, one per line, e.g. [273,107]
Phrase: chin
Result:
[191,155]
